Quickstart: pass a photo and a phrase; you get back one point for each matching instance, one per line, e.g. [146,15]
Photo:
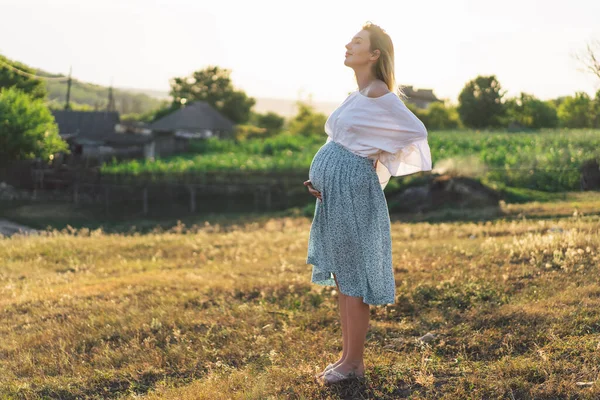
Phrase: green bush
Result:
[27,128]
[307,122]
[440,116]
[530,112]
[576,112]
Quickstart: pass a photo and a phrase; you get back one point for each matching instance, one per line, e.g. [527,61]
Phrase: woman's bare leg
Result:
[357,315]
[342,305]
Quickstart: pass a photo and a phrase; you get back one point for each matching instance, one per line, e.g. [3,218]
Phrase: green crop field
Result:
[548,160]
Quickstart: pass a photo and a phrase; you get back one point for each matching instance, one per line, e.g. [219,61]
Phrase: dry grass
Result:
[229,312]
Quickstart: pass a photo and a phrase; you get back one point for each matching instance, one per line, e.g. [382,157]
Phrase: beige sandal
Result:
[333,376]
[327,368]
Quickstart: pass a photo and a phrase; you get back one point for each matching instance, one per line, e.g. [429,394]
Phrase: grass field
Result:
[215,309]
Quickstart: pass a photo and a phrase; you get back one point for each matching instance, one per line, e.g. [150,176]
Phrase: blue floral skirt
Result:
[350,234]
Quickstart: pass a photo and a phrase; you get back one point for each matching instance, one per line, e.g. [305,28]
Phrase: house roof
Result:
[86,124]
[421,94]
[194,117]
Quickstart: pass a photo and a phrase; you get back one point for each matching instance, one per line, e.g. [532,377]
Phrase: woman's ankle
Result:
[354,364]
[341,360]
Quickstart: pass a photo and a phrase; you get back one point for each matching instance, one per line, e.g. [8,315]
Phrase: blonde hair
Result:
[384,67]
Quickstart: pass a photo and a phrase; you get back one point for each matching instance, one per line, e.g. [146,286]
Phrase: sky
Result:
[295,49]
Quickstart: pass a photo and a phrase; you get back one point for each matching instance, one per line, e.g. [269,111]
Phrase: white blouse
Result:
[381,128]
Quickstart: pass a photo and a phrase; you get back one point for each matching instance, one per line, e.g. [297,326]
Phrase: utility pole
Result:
[111,100]
[67,105]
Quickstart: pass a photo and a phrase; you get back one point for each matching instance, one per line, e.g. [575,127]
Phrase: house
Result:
[101,134]
[94,134]
[88,125]
[421,98]
[197,119]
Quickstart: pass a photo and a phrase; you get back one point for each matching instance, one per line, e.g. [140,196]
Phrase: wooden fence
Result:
[209,191]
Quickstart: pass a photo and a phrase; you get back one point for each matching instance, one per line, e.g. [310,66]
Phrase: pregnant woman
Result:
[372,136]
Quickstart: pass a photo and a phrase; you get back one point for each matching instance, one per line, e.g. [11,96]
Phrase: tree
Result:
[440,116]
[307,122]
[558,101]
[271,122]
[590,58]
[9,78]
[530,112]
[419,112]
[212,85]
[480,102]
[243,132]
[27,128]
[574,112]
[596,111]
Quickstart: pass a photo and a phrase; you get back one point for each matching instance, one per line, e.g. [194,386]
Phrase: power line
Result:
[531,168]
[28,75]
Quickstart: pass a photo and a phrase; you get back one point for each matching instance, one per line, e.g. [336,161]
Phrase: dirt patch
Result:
[8,228]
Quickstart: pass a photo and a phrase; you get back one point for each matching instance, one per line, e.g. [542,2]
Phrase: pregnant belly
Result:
[318,169]
[324,168]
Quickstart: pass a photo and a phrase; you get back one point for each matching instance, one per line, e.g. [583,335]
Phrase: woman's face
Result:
[358,50]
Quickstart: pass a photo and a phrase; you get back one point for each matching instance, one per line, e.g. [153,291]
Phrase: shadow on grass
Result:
[62,215]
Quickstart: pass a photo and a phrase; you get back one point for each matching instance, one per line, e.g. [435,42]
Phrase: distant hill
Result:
[284,107]
[95,97]
[287,107]
[157,94]
[139,101]
[133,100]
